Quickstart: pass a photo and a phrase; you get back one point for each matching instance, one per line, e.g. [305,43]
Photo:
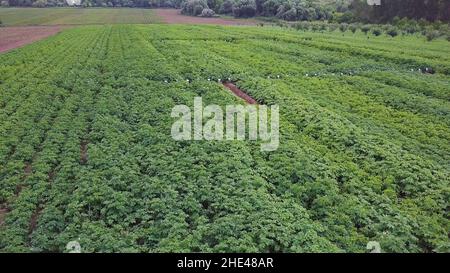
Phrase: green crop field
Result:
[86,152]
[75,16]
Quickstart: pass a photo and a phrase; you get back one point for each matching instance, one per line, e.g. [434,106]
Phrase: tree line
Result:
[290,10]
[281,9]
[430,10]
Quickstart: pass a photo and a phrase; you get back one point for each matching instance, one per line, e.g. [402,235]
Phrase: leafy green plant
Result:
[87,154]
[207,13]
[365,29]
[392,31]
[432,34]
[332,27]
[377,31]
[343,27]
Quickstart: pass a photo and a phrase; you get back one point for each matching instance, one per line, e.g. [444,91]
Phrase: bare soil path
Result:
[83,152]
[238,92]
[13,37]
[173,16]
[3,212]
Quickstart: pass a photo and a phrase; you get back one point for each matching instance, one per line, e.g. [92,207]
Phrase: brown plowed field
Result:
[13,37]
[173,16]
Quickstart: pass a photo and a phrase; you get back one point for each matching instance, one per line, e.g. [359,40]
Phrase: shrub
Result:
[353,28]
[207,13]
[396,20]
[315,27]
[422,22]
[281,24]
[303,26]
[365,29]
[432,34]
[437,25]
[332,27]
[412,28]
[343,27]
[376,32]
[443,28]
[385,28]
[392,32]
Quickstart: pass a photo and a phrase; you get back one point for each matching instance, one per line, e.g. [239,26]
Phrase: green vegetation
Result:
[86,152]
[340,11]
[430,10]
[281,9]
[430,32]
[75,16]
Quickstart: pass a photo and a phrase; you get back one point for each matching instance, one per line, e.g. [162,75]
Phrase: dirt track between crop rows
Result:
[173,16]
[238,92]
[14,37]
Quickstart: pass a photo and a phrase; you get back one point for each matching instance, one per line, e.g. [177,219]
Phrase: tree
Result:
[193,7]
[244,8]
[430,10]
[290,15]
[226,7]
[270,7]
[215,4]
[40,4]
[207,13]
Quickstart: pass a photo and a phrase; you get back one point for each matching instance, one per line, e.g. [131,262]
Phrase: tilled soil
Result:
[173,16]
[13,37]
[238,92]
[3,212]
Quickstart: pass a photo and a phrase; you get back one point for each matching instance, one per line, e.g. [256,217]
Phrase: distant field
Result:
[75,16]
